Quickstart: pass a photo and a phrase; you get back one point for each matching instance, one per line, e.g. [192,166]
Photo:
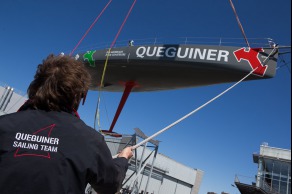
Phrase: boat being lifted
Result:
[175,66]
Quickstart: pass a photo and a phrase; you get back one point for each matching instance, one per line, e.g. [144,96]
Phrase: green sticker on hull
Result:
[89,57]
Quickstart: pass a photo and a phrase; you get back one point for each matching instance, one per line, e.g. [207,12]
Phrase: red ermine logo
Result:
[251,55]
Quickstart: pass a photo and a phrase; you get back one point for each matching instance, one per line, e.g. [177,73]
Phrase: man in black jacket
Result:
[46,148]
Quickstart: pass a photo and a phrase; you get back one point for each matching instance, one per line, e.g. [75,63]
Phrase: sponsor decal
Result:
[183,53]
[88,56]
[115,54]
[251,55]
[38,144]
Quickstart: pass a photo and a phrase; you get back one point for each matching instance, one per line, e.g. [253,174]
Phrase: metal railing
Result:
[268,188]
[264,185]
[215,41]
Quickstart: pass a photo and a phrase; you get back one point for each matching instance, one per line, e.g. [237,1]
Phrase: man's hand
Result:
[126,153]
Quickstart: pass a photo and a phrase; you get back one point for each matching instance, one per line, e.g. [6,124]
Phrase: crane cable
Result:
[97,118]
[239,23]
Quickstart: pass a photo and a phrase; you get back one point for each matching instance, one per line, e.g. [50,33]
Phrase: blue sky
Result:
[220,138]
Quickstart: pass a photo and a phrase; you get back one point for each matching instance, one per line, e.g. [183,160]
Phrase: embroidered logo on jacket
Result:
[38,144]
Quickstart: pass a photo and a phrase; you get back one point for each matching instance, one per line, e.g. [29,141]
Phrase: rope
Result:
[96,19]
[275,49]
[285,64]
[97,113]
[106,62]
[194,111]
[191,113]
[239,23]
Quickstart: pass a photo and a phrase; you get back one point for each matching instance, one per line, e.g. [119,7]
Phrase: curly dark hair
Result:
[59,84]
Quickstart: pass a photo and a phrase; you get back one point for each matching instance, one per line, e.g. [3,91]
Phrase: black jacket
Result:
[55,153]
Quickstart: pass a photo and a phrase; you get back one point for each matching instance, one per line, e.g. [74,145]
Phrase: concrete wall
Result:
[275,152]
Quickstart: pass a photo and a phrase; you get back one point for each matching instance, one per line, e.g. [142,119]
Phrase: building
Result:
[10,99]
[154,173]
[274,172]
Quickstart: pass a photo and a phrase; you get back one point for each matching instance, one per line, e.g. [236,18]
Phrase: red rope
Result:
[239,23]
[126,18]
[97,18]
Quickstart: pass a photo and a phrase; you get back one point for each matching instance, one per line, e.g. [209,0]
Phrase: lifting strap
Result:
[239,23]
[91,26]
